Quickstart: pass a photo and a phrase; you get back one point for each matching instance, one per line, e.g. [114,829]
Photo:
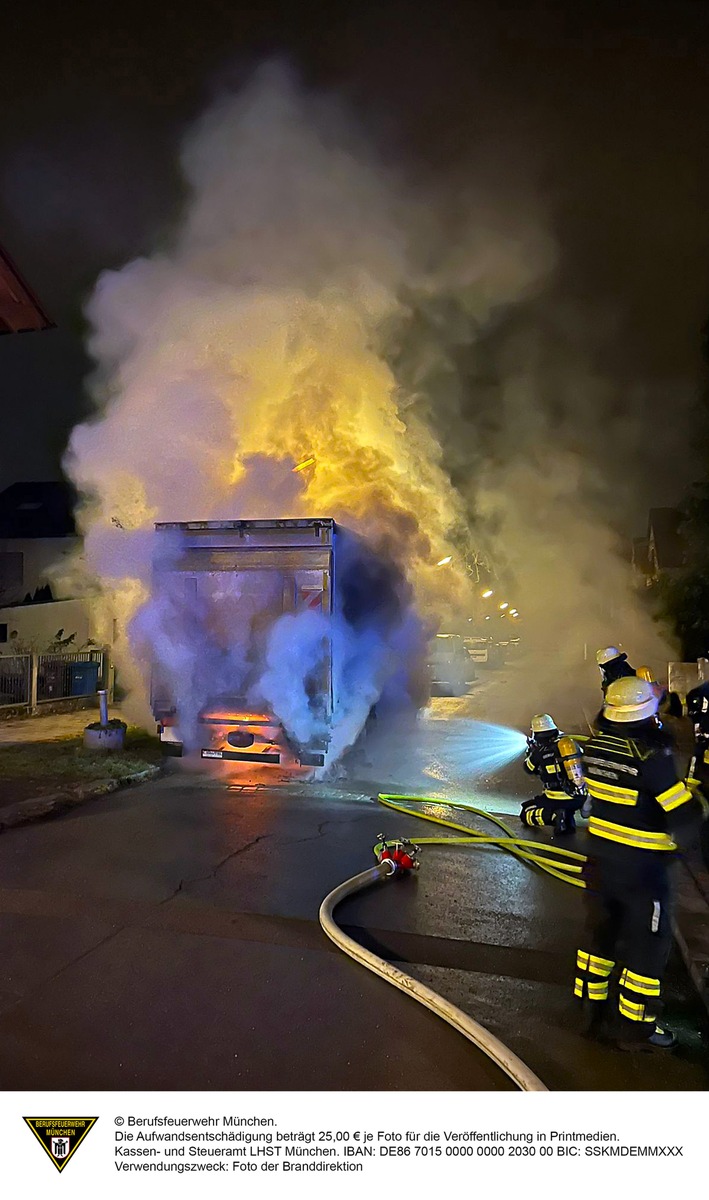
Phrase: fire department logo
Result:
[60,1136]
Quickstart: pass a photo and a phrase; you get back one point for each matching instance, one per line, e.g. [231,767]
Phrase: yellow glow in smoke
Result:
[226,380]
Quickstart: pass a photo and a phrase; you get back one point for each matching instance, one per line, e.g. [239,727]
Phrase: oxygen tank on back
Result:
[571,758]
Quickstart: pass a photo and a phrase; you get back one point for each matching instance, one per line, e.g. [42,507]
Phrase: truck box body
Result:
[238,578]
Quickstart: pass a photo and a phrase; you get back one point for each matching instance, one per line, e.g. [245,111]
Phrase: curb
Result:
[26,811]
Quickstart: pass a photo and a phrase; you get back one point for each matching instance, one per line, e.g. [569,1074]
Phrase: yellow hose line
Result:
[486,841]
[509,843]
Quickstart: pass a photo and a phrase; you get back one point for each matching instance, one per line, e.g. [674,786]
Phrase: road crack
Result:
[185,883]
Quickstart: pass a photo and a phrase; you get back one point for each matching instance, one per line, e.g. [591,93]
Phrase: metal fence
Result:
[34,679]
[61,676]
[15,675]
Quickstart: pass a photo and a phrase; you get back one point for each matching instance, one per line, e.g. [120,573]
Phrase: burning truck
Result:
[273,640]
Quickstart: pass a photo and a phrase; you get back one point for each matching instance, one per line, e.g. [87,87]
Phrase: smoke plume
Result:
[315,310]
[256,341]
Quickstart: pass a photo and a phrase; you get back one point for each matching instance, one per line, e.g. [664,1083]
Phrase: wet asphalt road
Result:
[167,938]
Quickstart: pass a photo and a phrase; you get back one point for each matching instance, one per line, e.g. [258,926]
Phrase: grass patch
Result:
[66,761]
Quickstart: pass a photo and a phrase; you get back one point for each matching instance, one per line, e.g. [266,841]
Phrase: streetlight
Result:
[486,595]
[444,561]
[505,605]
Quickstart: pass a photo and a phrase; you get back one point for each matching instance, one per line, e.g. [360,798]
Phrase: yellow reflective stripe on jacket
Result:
[611,792]
[555,794]
[643,839]
[613,743]
[674,796]
[597,991]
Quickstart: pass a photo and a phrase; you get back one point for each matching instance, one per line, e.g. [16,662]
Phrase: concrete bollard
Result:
[105,734]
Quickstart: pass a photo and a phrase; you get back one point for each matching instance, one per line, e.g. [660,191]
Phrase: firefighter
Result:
[698,712]
[698,773]
[613,664]
[670,703]
[638,807]
[556,759]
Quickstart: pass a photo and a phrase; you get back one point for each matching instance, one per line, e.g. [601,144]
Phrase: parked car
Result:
[485,651]
[478,648]
[450,665]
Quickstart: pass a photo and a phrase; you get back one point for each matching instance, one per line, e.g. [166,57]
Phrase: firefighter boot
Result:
[660,1039]
[563,822]
[594,1020]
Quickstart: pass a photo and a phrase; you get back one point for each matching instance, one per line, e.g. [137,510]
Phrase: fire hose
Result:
[400,855]
[565,865]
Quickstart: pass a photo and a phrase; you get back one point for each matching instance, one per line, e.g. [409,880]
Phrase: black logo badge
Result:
[60,1136]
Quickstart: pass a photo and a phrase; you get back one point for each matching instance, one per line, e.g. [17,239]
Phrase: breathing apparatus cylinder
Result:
[571,758]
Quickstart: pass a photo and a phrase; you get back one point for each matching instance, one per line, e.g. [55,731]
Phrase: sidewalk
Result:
[23,730]
[44,769]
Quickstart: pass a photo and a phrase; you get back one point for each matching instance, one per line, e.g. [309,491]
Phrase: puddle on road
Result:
[446,759]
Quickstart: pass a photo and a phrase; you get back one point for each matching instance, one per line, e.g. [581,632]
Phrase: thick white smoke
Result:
[256,339]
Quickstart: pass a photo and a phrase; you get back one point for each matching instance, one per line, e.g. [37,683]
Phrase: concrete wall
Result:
[36,625]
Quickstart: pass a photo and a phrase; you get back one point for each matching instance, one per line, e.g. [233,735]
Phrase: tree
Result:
[683,600]
[684,603]
[60,643]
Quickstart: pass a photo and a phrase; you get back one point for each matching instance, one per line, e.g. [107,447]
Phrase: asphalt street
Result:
[166,937]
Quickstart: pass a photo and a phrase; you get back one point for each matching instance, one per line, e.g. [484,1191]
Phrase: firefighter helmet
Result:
[630,699]
[543,723]
[607,655]
[645,673]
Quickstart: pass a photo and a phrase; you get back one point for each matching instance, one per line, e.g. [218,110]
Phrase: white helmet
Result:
[607,655]
[630,699]
[543,723]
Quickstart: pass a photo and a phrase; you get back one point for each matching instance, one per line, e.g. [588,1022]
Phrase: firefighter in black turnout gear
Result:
[638,808]
[698,713]
[698,773]
[556,759]
[612,664]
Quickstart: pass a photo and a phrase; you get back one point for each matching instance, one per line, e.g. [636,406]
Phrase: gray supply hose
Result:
[496,1050]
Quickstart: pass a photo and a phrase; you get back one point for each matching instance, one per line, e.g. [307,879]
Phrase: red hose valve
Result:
[398,851]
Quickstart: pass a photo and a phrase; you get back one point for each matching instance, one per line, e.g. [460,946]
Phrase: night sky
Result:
[595,114]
